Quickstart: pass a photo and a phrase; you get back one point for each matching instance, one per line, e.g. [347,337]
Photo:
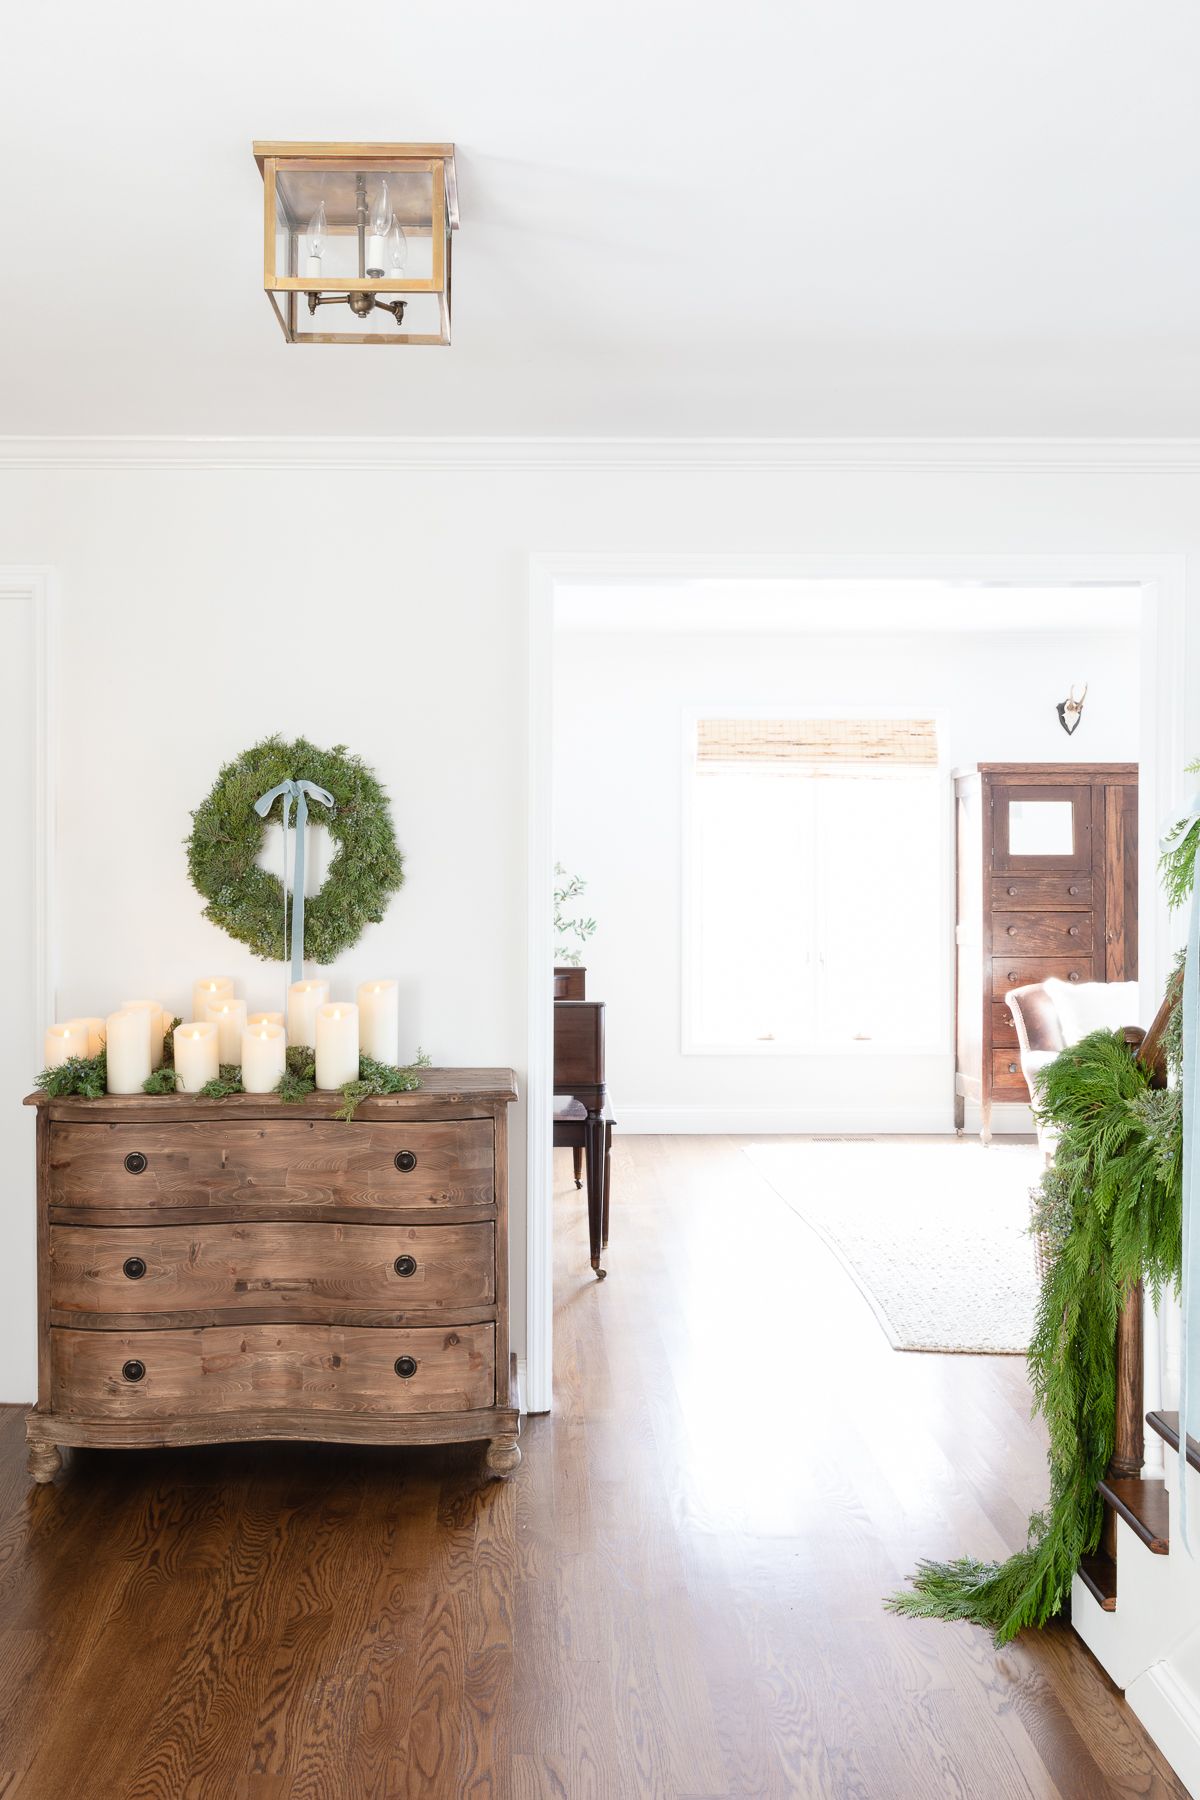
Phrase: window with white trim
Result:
[815,903]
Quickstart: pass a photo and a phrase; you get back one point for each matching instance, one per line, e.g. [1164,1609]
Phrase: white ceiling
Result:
[835,607]
[841,217]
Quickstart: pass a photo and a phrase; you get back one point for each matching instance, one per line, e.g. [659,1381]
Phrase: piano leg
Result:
[596,1132]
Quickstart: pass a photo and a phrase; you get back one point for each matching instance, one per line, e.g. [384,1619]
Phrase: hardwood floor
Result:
[677,1595]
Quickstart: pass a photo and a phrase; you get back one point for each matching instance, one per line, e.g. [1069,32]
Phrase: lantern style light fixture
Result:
[355,232]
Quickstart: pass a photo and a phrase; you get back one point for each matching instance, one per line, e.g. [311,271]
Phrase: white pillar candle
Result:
[304,997]
[213,987]
[376,254]
[157,1026]
[127,1040]
[197,1054]
[379,1020]
[95,1034]
[337,1044]
[263,1048]
[65,1041]
[264,1018]
[229,1016]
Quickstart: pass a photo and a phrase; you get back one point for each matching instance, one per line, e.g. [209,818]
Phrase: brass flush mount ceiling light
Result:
[361,229]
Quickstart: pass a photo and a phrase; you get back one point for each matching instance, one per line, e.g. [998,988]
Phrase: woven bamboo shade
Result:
[817,741]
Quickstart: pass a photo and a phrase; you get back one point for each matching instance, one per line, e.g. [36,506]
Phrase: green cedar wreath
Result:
[227,837]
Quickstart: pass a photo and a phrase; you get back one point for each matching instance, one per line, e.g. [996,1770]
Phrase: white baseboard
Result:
[1167,1707]
[774,1120]
[1008,1119]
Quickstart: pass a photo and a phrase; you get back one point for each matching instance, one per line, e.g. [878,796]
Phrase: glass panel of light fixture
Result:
[317,211]
[422,318]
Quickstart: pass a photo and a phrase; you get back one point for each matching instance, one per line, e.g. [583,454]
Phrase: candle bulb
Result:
[304,997]
[337,1044]
[65,1041]
[213,987]
[197,1054]
[127,1040]
[263,1050]
[229,1016]
[95,1035]
[379,1020]
[157,1026]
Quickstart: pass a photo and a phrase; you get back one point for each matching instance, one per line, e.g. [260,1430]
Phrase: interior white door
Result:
[24,954]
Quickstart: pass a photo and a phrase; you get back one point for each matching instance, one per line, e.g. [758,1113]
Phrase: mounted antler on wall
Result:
[1070,710]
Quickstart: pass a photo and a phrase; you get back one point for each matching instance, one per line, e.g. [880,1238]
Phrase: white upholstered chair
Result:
[1051,1014]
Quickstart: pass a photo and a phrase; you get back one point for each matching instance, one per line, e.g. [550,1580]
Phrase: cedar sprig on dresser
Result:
[86,1076]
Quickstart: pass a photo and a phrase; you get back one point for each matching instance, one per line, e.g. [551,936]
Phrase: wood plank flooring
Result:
[678,1595]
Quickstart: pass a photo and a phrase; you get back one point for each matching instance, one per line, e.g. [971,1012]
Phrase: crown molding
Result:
[544,455]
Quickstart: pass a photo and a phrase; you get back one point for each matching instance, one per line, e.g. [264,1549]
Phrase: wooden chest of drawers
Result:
[211,1270]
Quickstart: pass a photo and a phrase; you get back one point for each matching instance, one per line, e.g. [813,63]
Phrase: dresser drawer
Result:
[251,1168]
[1041,934]
[1004,1031]
[274,1269]
[1018,971]
[229,1370]
[1041,893]
[1007,1080]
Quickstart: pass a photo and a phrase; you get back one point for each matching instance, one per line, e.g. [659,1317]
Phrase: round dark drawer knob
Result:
[133,1268]
[135,1162]
[1073,976]
[1012,974]
[1072,890]
[133,1370]
[1012,1068]
[406,1367]
[1012,890]
[1072,931]
[405,1160]
[405,1265]
[1012,931]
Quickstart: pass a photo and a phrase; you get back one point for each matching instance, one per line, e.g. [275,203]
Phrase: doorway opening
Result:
[756,781]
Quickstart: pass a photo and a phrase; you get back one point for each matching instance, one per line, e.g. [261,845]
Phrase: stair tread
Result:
[1167,1426]
[1143,1505]
[1098,1573]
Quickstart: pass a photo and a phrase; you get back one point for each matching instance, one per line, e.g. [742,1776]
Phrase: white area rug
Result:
[934,1235]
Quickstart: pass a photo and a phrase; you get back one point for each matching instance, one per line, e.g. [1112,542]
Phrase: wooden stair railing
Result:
[1142,1503]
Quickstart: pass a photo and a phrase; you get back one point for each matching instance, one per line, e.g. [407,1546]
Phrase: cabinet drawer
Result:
[273,1269]
[1042,934]
[1018,971]
[1042,893]
[1004,1032]
[229,1370]
[251,1168]
[1007,1079]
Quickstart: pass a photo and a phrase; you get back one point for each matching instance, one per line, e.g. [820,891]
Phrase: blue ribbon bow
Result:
[1189,1356]
[287,791]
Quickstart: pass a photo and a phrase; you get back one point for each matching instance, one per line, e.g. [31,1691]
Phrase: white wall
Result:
[203,606]
[621,734]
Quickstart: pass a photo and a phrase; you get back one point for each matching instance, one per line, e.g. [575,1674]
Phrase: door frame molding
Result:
[1162,579]
[35,586]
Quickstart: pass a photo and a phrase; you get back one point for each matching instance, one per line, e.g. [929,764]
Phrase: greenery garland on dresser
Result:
[227,837]
[1109,1211]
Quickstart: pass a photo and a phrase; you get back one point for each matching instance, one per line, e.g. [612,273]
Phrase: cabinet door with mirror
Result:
[1036,830]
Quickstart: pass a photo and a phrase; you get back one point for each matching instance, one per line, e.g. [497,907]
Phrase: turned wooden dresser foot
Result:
[44,1461]
[503,1455]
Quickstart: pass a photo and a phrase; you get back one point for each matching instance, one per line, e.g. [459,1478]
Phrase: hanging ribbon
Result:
[287,791]
[1189,1353]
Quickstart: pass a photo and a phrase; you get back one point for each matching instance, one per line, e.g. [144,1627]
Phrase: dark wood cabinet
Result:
[1046,885]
